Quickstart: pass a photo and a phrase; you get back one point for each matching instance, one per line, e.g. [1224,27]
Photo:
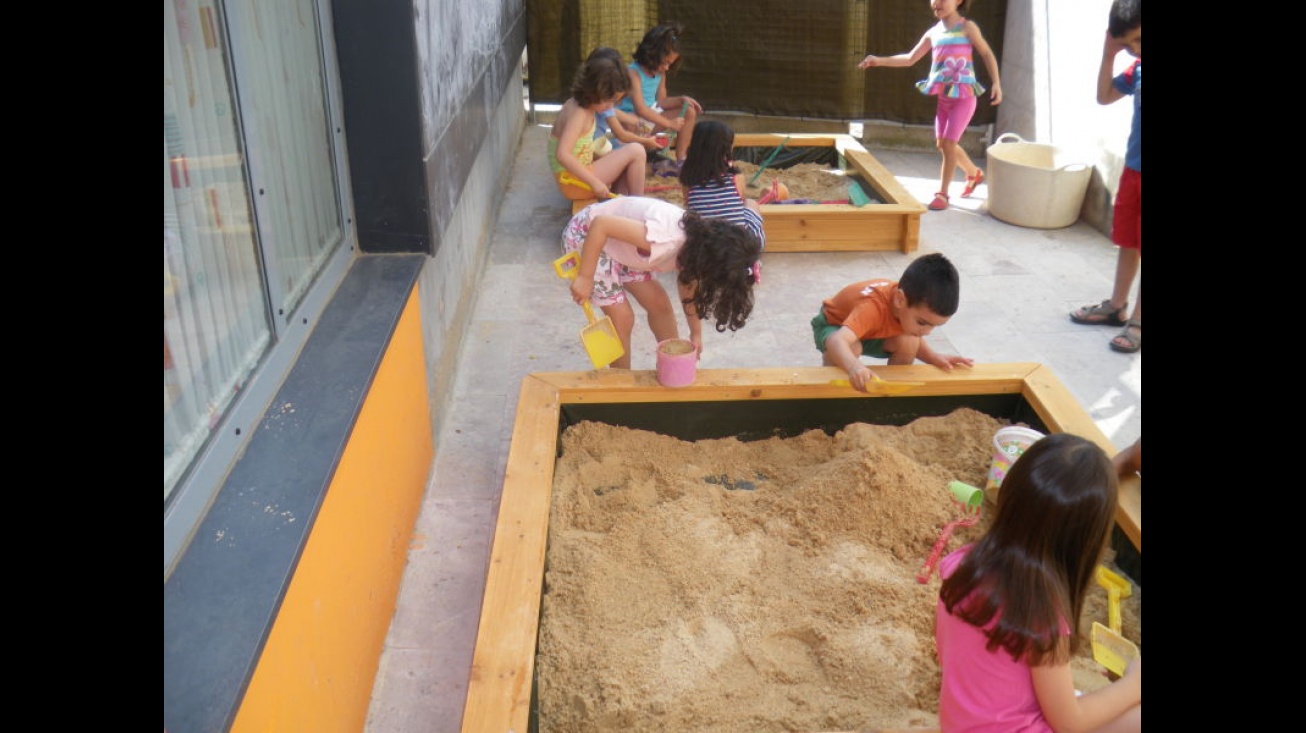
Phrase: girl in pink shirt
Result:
[1006,621]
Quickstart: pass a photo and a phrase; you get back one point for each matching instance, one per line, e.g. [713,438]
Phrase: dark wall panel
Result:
[377,53]
[455,151]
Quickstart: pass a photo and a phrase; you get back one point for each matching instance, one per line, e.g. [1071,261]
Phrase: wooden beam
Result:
[499,691]
[1060,412]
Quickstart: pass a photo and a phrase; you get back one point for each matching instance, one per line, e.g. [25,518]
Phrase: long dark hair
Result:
[1032,569]
[658,43]
[709,154]
[717,260]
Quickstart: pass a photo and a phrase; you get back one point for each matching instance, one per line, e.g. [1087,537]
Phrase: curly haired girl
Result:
[623,243]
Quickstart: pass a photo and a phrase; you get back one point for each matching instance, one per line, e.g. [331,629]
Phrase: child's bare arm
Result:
[626,136]
[1054,687]
[691,315]
[990,61]
[641,108]
[1106,88]
[676,102]
[943,361]
[1130,460]
[623,126]
[672,122]
[902,59]
[839,350]
[602,228]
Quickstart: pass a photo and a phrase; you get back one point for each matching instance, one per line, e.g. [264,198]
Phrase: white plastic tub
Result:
[1033,185]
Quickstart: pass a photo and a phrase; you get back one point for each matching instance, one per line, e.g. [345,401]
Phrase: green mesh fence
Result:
[763,57]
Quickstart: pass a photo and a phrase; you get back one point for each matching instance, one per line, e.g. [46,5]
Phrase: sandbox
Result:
[753,403]
[890,223]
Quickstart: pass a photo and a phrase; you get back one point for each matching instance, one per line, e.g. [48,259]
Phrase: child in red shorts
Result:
[1124,33]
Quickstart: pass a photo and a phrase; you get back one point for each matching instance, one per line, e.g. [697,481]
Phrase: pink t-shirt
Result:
[982,691]
[665,236]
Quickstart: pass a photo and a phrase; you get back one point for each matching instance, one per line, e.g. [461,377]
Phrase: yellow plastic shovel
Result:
[600,337]
[881,387]
[1111,649]
[567,178]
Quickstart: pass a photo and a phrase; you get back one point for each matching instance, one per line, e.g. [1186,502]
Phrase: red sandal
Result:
[939,203]
[972,182]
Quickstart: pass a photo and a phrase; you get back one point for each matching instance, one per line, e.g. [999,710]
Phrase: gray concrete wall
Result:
[472,119]
[449,279]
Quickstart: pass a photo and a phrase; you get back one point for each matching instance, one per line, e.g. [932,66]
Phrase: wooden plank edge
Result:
[796,140]
[1059,411]
[503,664]
[813,211]
[884,182]
[641,385]
[808,245]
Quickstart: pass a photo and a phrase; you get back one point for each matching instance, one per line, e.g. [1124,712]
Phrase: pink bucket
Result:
[677,362]
[1009,443]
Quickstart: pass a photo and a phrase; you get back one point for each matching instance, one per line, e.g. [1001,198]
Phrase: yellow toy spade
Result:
[600,337]
[1110,648]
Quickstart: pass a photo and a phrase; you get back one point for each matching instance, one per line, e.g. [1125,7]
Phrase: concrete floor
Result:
[1017,286]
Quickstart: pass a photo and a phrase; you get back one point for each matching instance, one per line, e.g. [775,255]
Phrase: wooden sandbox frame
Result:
[500,692]
[892,225]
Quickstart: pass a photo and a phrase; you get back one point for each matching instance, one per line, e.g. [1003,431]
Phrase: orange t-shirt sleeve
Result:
[865,309]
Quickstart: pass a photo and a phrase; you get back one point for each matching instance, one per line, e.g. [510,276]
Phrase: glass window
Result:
[255,213]
[216,325]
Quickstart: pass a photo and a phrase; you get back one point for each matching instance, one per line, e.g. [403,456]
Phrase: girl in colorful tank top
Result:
[953,42]
[656,56]
[598,85]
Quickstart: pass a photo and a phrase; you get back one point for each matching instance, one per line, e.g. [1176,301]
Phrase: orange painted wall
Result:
[317,668]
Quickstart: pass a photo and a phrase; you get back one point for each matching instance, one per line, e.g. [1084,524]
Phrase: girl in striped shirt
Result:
[714,187]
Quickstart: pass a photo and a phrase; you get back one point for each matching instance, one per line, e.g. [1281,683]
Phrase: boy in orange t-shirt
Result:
[889,320]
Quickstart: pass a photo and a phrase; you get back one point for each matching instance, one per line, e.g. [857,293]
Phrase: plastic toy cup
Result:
[677,362]
[1009,443]
[968,496]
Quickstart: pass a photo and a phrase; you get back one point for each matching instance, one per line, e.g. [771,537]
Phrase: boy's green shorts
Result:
[821,330]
